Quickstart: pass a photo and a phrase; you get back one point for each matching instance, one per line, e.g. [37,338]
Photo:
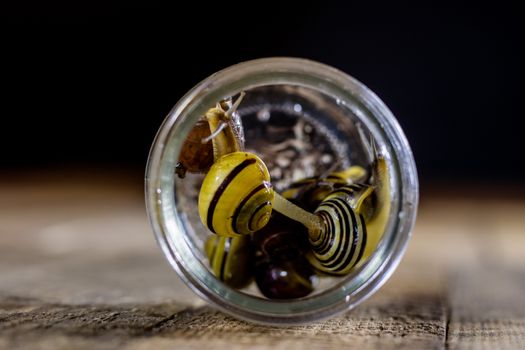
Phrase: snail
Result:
[341,244]
[230,259]
[203,146]
[281,270]
[237,198]
[236,195]
[367,211]
[309,192]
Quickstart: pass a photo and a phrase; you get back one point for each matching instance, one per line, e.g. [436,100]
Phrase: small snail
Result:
[308,193]
[203,144]
[281,269]
[230,259]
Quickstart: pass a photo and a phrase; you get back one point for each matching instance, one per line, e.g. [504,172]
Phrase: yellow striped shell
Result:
[355,218]
[343,239]
[236,195]
[230,259]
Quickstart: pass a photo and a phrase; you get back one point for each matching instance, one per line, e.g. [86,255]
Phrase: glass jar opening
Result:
[303,119]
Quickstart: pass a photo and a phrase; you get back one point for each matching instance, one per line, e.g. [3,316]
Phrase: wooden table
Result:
[79,269]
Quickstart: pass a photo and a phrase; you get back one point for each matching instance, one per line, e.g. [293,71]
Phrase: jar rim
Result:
[169,228]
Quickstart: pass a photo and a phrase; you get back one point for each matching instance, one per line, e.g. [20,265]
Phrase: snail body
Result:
[378,220]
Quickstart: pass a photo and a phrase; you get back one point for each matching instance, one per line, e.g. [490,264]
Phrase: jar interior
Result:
[299,133]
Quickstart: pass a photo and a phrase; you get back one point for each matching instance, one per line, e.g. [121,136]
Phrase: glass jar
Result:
[340,110]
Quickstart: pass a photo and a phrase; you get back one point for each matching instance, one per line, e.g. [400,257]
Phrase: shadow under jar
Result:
[302,119]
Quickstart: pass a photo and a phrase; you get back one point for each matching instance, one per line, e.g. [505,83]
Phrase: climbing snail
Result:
[218,132]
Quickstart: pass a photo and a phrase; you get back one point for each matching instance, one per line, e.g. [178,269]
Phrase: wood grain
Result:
[80,269]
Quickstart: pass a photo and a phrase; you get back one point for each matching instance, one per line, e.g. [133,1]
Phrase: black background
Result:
[88,84]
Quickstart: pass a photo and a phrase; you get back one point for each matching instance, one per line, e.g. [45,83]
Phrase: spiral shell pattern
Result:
[342,242]
[236,195]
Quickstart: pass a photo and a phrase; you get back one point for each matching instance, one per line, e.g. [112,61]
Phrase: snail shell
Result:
[281,270]
[231,259]
[355,218]
[196,156]
[343,240]
[236,195]
[310,192]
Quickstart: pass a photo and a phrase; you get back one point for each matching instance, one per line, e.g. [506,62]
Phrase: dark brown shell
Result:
[195,156]
[281,269]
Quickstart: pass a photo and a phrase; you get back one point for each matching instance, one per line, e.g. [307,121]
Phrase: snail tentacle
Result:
[214,134]
[236,104]
[222,134]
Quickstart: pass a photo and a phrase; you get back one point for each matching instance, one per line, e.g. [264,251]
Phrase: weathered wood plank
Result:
[480,243]
[415,321]
[487,309]
[80,269]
